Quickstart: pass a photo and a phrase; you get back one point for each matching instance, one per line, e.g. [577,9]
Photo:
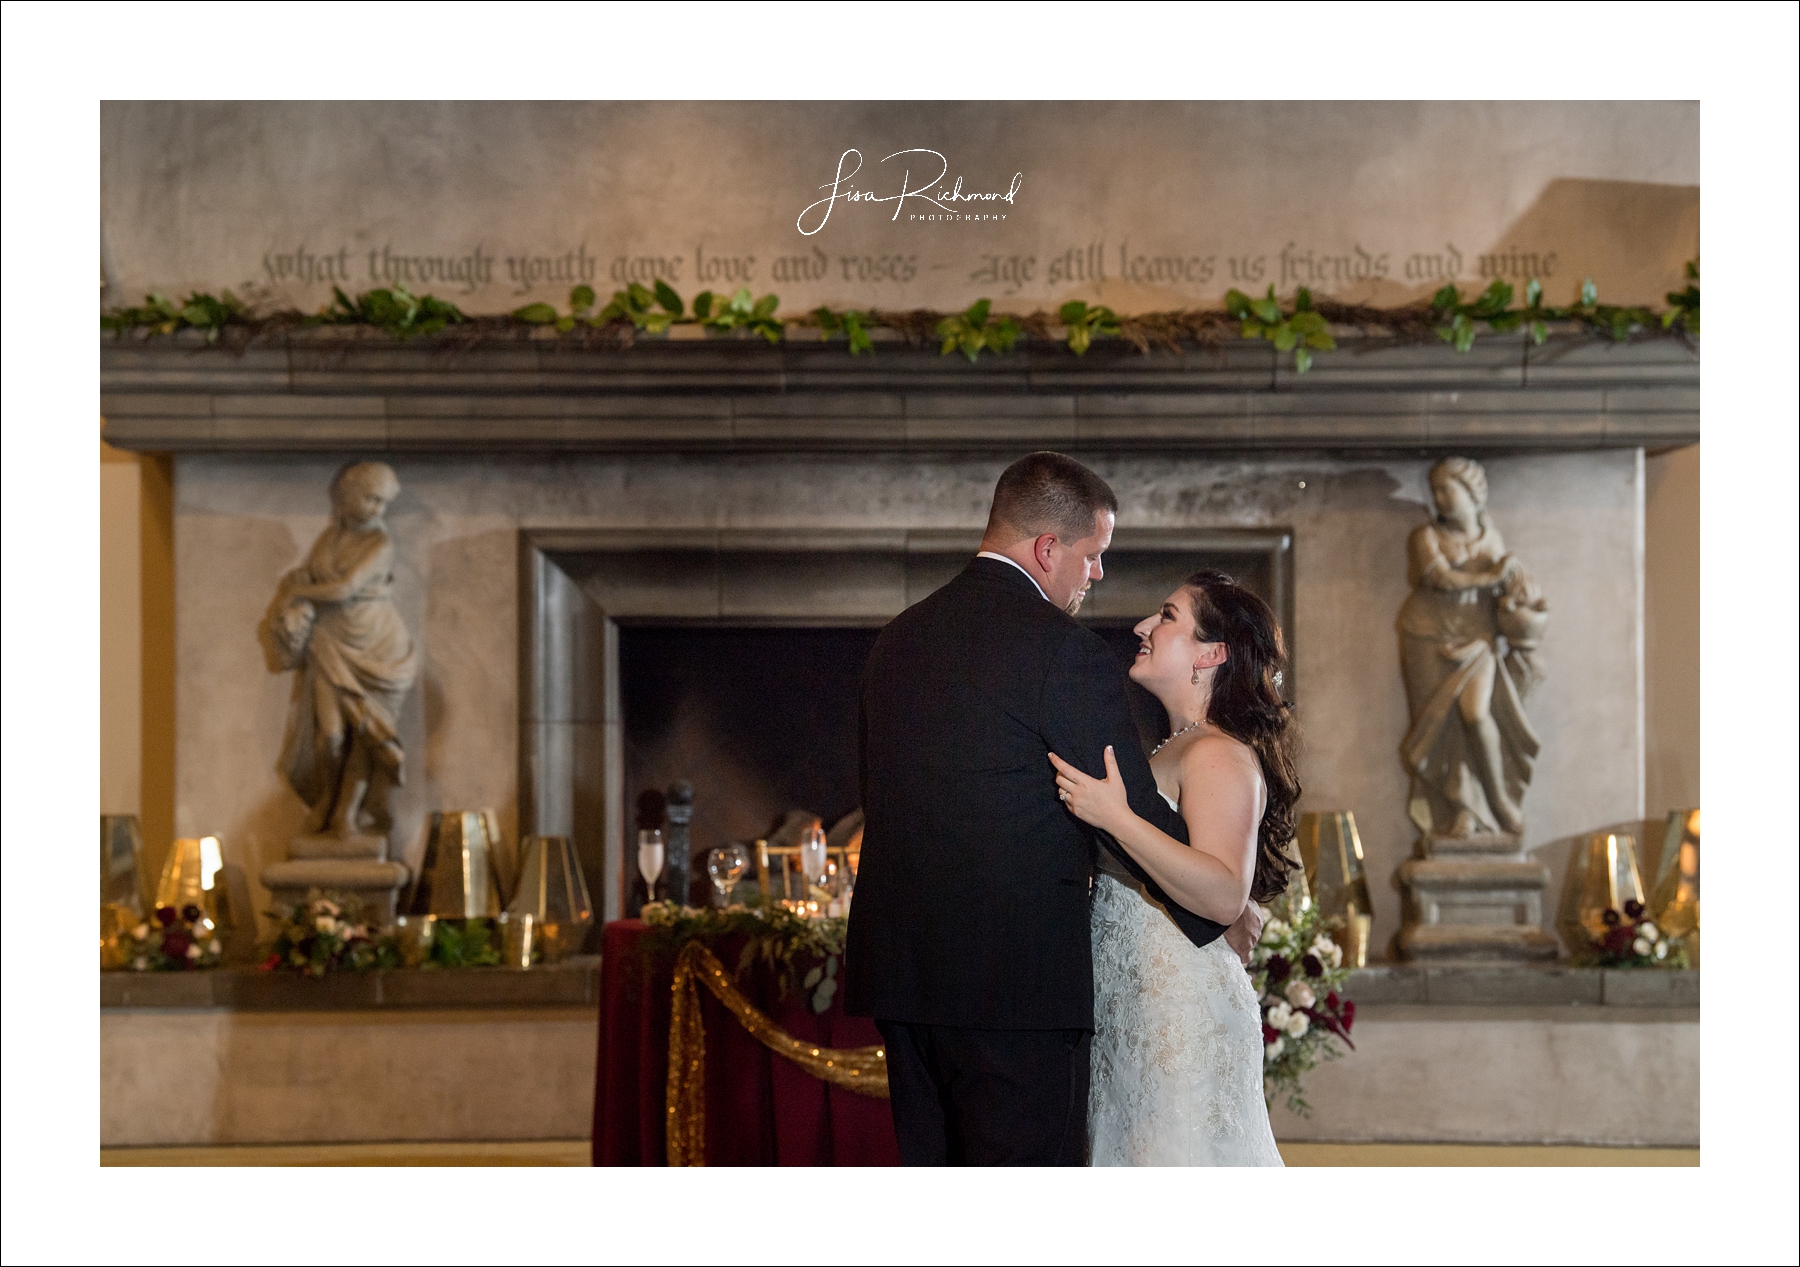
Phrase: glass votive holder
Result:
[416,934]
[518,939]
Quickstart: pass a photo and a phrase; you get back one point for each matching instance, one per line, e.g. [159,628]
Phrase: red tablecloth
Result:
[761,1110]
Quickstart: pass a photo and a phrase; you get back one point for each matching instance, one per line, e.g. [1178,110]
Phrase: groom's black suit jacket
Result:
[971,901]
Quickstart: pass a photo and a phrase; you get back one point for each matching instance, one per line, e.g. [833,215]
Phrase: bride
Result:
[1178,1051]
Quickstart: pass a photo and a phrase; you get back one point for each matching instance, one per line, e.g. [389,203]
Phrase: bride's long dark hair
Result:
[1246,704]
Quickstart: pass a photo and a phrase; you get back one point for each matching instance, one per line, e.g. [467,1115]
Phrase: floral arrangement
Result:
[1297,971]
[1632,940]
[173,941]
[773,934]
[329,932]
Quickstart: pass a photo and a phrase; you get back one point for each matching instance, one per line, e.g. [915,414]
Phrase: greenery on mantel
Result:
[1301,324]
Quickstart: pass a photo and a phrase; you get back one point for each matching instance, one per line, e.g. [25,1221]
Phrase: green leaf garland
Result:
[1301,326]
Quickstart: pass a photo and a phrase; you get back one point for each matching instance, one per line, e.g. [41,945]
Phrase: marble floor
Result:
[574,1152]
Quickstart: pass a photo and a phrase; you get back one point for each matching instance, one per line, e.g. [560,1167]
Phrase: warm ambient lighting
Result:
[211,862]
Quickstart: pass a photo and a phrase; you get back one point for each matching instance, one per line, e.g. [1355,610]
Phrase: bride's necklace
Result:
[1178,734]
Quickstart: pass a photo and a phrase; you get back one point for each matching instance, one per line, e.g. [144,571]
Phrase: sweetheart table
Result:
[761,1109]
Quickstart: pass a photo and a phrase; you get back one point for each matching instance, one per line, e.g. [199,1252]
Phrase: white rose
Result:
[140,964]
[193,951]
[325,924]
[214,946]
[330,908]
[1273,930]
[1662,950]
[1273,1050]
[141,931]
[1296,1025]
[1337,955]
[1648,932]
[1278,1016]
[1640,946]
[1300,994]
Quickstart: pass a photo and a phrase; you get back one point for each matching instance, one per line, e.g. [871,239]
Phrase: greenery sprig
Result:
[1685,304]
[1301,326]
[462,944]
[1299,330]
[852,324]
[973,331]
[1085,324]
[715,312]
[161,315]
[397,311]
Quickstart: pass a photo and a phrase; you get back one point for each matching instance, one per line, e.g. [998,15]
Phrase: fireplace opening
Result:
[762,721]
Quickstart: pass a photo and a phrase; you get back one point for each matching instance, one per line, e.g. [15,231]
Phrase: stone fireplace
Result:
[556,500]
[585,589]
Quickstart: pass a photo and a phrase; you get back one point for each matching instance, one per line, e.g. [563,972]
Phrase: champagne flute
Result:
[812,858]
[650,860]
[724,865]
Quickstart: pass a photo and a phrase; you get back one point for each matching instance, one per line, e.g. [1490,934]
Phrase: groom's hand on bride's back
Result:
[1242,936]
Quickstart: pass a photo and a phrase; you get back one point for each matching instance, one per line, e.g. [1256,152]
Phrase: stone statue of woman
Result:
[333,620]
[1469,637]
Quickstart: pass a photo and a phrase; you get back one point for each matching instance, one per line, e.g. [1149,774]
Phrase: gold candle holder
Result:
[1603,876]
[121,897]
[553,893]
[456,877]
[520,942]
[189,877]
[1331,856]
[1675,901]
[415,933]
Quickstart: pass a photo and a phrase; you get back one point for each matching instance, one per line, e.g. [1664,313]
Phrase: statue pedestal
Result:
[1474,899]
[347,864]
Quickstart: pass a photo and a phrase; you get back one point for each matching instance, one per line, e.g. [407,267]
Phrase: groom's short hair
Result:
[1048,492]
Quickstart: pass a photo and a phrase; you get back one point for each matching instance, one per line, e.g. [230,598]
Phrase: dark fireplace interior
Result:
[762,720]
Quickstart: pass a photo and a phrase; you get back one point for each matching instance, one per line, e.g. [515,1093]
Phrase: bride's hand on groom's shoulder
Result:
[1096,802]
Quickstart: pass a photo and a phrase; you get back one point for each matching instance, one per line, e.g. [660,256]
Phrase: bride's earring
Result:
[1196,680]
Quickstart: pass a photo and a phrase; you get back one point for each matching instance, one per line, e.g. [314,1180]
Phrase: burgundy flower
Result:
[1609,917]
[1279,968]
[175,944]
[1312,965]
[1618,940]
[1331,1001]
[165,915]
[1270,1034]
[271,963]
[1634,908]
[190,913]
[1349,1014]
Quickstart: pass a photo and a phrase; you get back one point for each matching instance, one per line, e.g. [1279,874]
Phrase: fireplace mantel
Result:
[315,391]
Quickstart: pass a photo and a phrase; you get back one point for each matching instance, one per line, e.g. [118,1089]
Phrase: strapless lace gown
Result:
[1177,1055]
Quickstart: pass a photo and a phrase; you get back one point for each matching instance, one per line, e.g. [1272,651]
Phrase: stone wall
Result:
[240,521]
[1141,205]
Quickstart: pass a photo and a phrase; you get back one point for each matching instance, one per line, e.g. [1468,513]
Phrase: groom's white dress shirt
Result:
[989,554]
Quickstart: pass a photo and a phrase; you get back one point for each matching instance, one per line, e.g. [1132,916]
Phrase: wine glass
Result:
[650,860]
[812,857]
[725,864]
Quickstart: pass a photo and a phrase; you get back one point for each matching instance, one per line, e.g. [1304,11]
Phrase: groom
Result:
[968,940]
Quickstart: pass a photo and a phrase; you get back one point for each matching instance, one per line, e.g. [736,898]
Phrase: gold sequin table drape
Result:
[761,1080]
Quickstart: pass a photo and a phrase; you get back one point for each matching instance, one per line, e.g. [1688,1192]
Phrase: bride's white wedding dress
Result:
[1177,1054]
